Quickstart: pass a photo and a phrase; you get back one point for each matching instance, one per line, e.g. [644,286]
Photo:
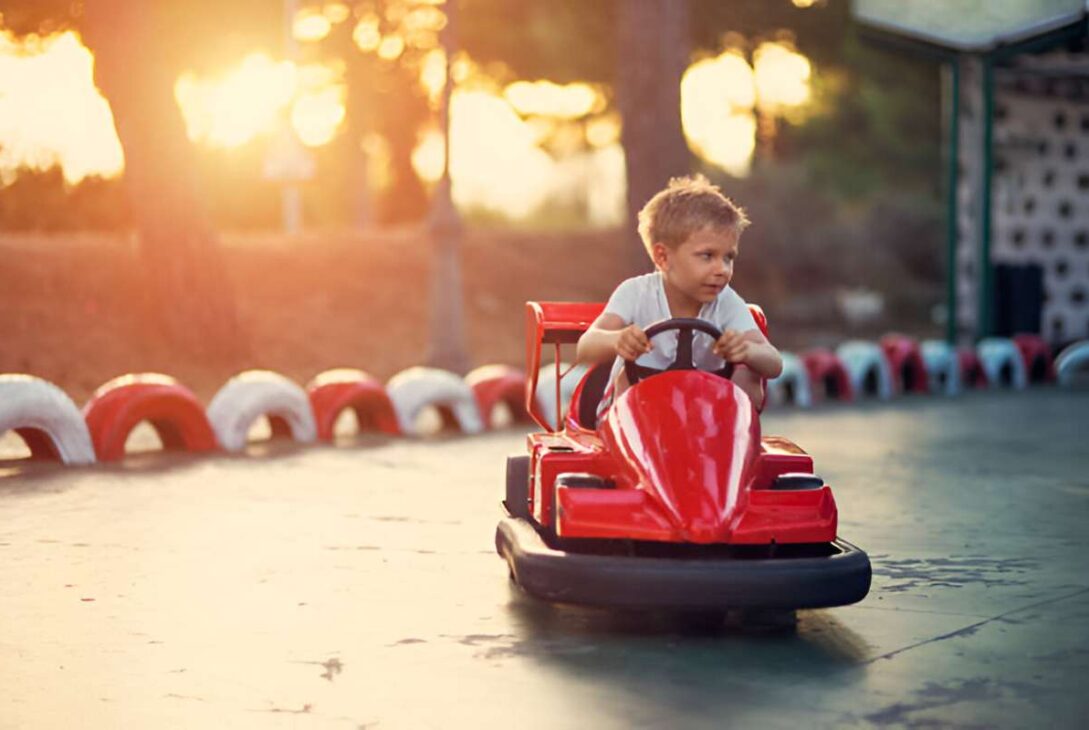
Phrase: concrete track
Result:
[357,587]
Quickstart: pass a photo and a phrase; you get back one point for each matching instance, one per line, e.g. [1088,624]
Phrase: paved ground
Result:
[357,587]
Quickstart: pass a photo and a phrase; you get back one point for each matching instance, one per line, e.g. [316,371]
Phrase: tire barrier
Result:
[546,388]
[1002,361]
[1073,362]
[972,374]
[942,367]
[172,410]
[334,391]
[417,388]
[868,368]
[828,378]
[495,384]
[909,374]
[45,418]
[256,393]
[1039,367]
[792,385]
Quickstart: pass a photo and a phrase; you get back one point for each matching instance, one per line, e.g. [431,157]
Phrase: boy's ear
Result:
[659,253]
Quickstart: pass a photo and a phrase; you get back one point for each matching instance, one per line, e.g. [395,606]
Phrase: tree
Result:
[654,50]
[140,48]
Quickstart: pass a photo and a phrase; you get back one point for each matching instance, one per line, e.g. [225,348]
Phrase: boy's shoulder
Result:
[640,283]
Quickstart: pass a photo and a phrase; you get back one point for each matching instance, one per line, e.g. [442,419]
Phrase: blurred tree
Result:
[140,49]
[654,50]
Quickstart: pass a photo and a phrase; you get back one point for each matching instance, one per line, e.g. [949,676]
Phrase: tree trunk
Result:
[188,296]
[654,48]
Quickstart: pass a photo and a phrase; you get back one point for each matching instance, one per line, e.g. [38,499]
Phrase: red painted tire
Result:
[906,362]
[972,374]
[495,384]
[828,378]
[1039,366]
[171,408]
[335,390]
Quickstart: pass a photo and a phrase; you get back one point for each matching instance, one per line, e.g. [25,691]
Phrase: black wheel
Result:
[517,499]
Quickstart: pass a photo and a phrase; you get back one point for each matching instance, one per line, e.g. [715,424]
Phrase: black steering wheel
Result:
[684,326]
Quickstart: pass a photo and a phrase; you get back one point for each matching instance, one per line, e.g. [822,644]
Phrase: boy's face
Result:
[702,266]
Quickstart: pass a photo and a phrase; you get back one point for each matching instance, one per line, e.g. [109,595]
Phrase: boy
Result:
[691,232]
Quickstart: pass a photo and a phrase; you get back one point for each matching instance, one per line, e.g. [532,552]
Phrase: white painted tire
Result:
[942,367]
[546,389]
[794,380]
[1072,361]
[997,354]
[417,388]
[864,360]
[256,393]
[30,402]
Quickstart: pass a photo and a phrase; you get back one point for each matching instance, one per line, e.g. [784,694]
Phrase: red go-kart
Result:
[673,500]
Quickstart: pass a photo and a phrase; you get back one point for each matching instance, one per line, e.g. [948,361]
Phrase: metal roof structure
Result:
[977,26]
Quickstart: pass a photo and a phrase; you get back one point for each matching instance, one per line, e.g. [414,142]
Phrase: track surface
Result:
[357,587]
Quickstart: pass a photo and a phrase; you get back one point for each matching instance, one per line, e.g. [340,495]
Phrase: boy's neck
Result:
[679,304]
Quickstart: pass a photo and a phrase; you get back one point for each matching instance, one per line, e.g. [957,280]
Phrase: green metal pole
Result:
[951,203]
[986,272]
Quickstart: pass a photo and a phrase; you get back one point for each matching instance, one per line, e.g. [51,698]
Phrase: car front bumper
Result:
[689,583]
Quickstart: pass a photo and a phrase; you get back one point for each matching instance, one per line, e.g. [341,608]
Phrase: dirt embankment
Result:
[306,304]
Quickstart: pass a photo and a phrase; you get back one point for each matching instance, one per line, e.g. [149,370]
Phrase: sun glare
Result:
[51,114]
[717,96]
[232,109]
[782,76]
[50,111]
[316,116]
[366,35]
[566,101]
[311,26]
[249,101]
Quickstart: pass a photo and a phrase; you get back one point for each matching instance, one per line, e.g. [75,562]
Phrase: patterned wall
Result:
[1040,185]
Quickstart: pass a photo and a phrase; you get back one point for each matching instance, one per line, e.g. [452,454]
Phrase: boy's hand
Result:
[632,342]
[732,346]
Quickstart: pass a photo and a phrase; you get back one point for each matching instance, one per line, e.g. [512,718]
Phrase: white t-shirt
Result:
[641,300]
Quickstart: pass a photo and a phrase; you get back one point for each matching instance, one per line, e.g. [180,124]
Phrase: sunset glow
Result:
[50,111]
[249,101]
[782,76]
[565,101]
[232,109]
[719,97]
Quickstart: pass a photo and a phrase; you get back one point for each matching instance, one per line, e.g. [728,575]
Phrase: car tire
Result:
[517,497]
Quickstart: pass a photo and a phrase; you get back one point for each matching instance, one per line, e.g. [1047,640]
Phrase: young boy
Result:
[691,232]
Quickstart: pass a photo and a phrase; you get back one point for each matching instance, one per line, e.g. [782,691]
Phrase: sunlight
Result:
[50,111]
[336,12]
[782,76]
[496,163]
[717,96]
[311,26]
[51,114]
[249,101]
[566,101]
[366,35]
[316,116]
[433,74]
[233,109]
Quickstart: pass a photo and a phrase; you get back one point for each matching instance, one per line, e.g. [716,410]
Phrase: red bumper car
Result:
[674,499]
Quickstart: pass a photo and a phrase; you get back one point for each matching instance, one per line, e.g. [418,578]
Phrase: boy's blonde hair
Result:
[686,206]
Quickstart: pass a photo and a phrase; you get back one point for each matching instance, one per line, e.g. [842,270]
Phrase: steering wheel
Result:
[685,326]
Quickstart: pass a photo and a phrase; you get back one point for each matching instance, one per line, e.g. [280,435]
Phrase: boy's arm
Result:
[608,337]
[750,348]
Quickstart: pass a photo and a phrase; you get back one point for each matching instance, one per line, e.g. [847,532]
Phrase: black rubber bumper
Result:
[558,576]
